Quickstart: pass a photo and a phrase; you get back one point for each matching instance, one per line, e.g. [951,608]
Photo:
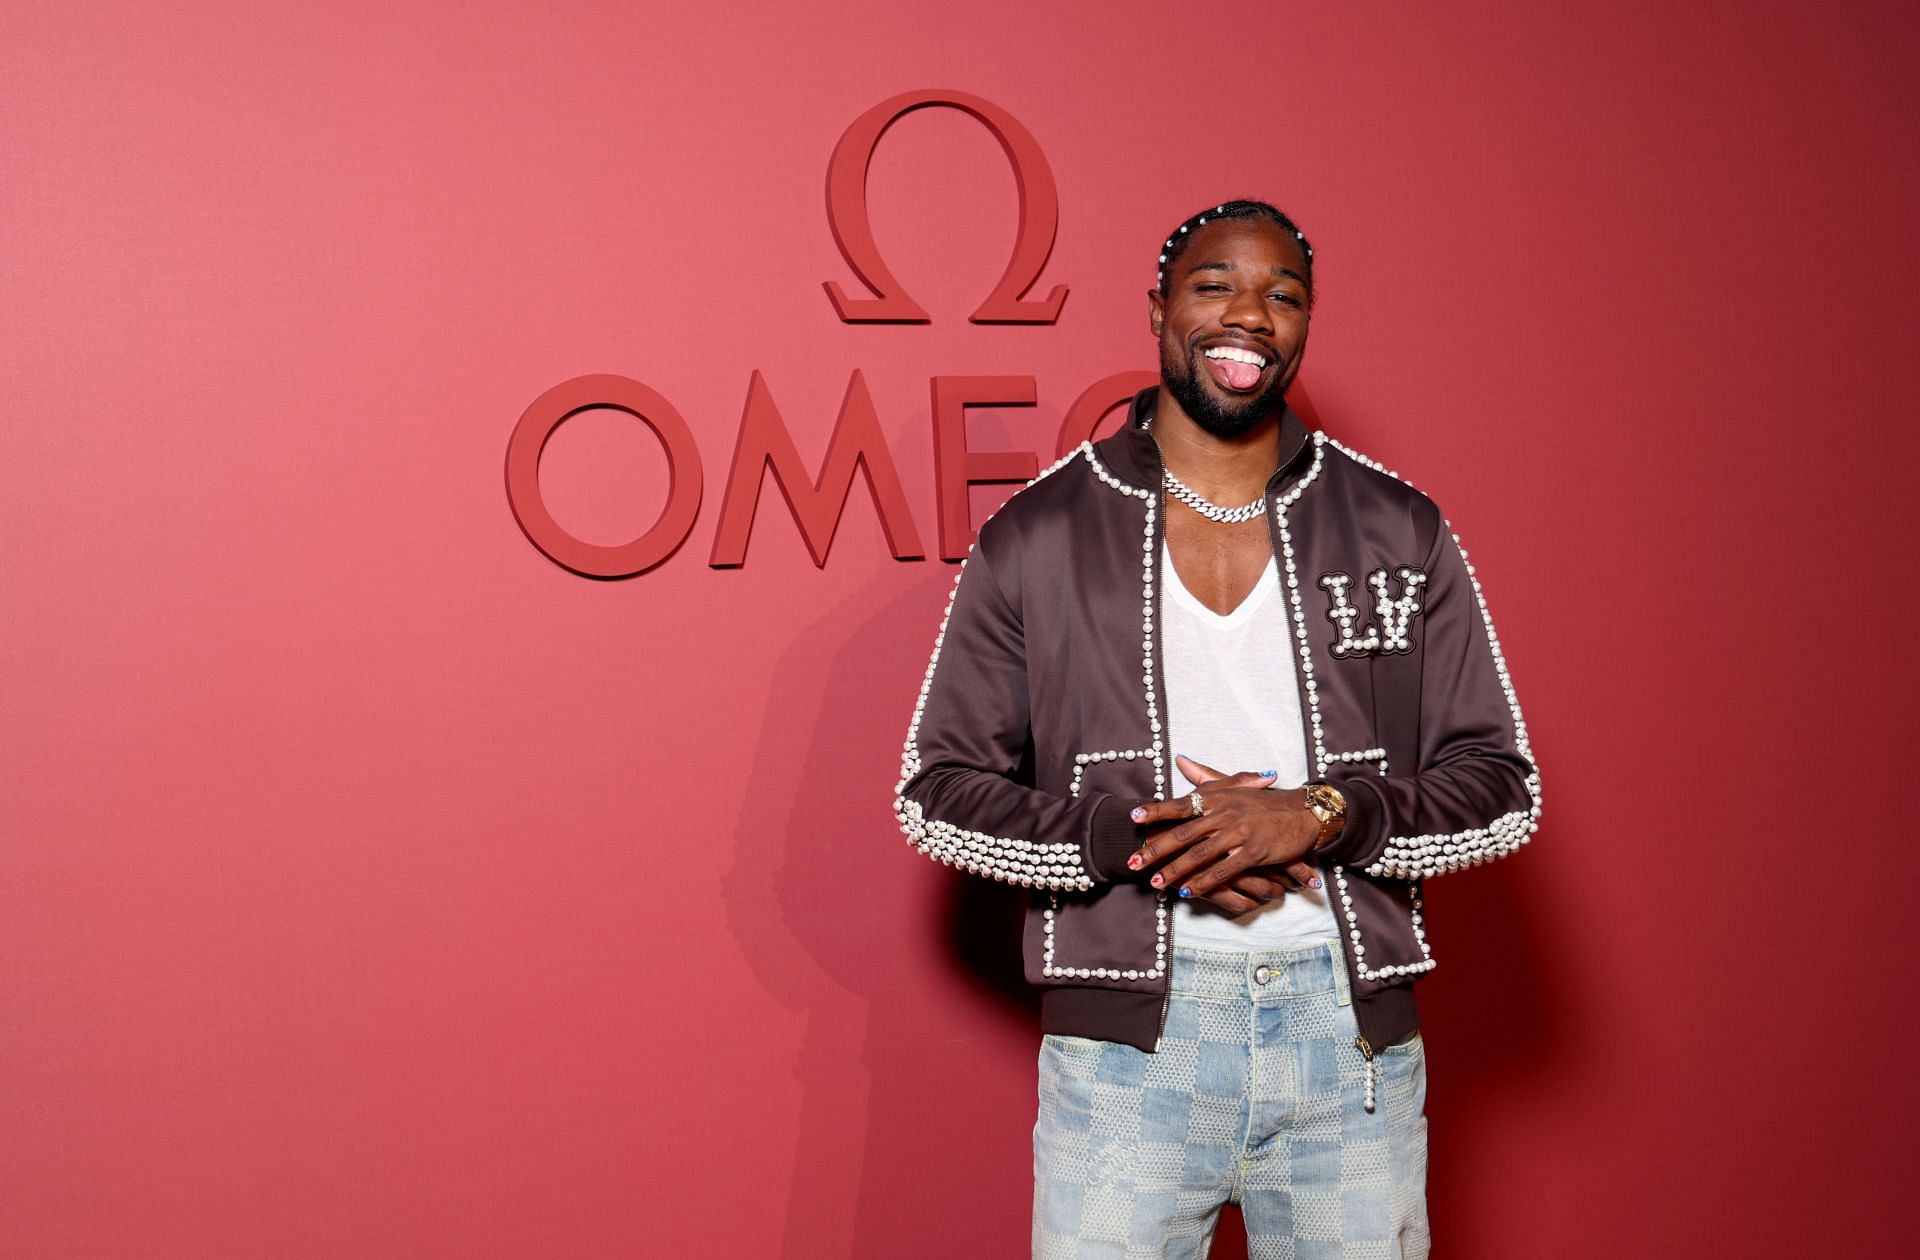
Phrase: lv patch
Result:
[1393,615]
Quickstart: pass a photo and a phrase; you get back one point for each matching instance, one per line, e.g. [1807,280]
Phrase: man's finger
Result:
[1162,811]
[1246,778]
[1199,773]
[1196,772]
[1233,903]
[1208,866]
[1303,875]
[1247,891]
[1171,842]
[1184,850]
[1180,808]
[1258,887]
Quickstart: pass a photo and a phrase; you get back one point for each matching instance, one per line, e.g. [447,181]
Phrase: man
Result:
[1222,693]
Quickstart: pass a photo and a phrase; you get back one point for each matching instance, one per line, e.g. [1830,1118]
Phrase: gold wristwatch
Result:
[1329,807]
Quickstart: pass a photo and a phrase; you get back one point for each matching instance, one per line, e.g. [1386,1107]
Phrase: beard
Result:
[1224,418]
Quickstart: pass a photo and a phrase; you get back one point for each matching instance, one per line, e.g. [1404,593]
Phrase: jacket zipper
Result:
[1166,721]
[1366,1052]
[1346,957]
[1360,1042]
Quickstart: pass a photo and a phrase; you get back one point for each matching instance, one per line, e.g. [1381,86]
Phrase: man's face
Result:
[1239,290]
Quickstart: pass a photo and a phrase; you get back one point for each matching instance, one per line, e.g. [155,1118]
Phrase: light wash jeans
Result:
[1256,1097]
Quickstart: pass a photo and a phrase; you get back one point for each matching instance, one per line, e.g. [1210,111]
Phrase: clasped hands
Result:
[1243,852]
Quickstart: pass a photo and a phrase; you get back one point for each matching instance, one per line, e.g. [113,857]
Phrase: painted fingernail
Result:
[1268,774]
[1139,813]
[1186,892]
[1155,881]
[1133,863]
[1316,882]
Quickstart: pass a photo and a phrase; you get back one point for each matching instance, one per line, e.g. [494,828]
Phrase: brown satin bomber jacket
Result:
[1039,724]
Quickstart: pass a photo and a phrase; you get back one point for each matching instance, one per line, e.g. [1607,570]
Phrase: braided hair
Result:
[1178,239]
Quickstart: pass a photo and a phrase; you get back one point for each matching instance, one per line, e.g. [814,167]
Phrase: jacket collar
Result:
[1133,454]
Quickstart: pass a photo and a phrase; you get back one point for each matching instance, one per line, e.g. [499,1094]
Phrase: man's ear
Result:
[1156,310]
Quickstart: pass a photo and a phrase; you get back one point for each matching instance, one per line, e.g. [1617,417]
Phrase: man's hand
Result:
[1247,825]
[1252,889]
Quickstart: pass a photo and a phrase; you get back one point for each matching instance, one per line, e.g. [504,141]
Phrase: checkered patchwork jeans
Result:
[1256,1096]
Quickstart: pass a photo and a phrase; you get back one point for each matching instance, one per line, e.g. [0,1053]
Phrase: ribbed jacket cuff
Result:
[1113,840]
[1363,836]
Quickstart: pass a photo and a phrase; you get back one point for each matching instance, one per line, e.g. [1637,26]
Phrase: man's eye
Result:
[1288,298]
[1210,288]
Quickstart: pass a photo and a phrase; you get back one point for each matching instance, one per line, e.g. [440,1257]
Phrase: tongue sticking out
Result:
[1235,374]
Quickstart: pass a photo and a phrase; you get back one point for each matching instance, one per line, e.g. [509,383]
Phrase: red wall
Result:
[372,885]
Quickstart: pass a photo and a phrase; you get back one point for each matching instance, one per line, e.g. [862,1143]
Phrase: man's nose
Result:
[1248,311]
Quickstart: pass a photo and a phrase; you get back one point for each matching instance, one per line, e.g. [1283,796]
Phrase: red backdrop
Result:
[373,885]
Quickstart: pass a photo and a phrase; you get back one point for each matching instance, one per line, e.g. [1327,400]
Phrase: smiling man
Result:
[1223,694]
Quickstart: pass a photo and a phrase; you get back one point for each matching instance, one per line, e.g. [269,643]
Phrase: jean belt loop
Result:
[1342,990]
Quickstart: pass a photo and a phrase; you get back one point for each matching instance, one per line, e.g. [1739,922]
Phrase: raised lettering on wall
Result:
[847,216]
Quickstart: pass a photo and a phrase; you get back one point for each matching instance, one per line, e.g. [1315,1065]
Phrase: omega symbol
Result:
[847,215]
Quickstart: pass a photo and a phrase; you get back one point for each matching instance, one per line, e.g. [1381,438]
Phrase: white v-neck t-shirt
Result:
[1232,704]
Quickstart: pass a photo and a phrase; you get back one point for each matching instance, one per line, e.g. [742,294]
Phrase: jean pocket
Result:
[1066,1057]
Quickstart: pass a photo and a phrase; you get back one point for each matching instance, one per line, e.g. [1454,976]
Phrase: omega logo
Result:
[847,213]
[764,441]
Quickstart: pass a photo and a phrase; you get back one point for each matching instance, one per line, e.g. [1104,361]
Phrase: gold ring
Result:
[1194,802]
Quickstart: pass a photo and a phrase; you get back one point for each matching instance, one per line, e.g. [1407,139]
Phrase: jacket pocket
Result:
[1342,765]
[1114,936]
[1386,931]
[1118,771]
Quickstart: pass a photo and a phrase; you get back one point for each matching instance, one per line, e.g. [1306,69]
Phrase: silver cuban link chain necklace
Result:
[1212,511]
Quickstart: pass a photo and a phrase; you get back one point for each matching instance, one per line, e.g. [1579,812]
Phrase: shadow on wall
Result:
[915,1121]
[914,1133]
